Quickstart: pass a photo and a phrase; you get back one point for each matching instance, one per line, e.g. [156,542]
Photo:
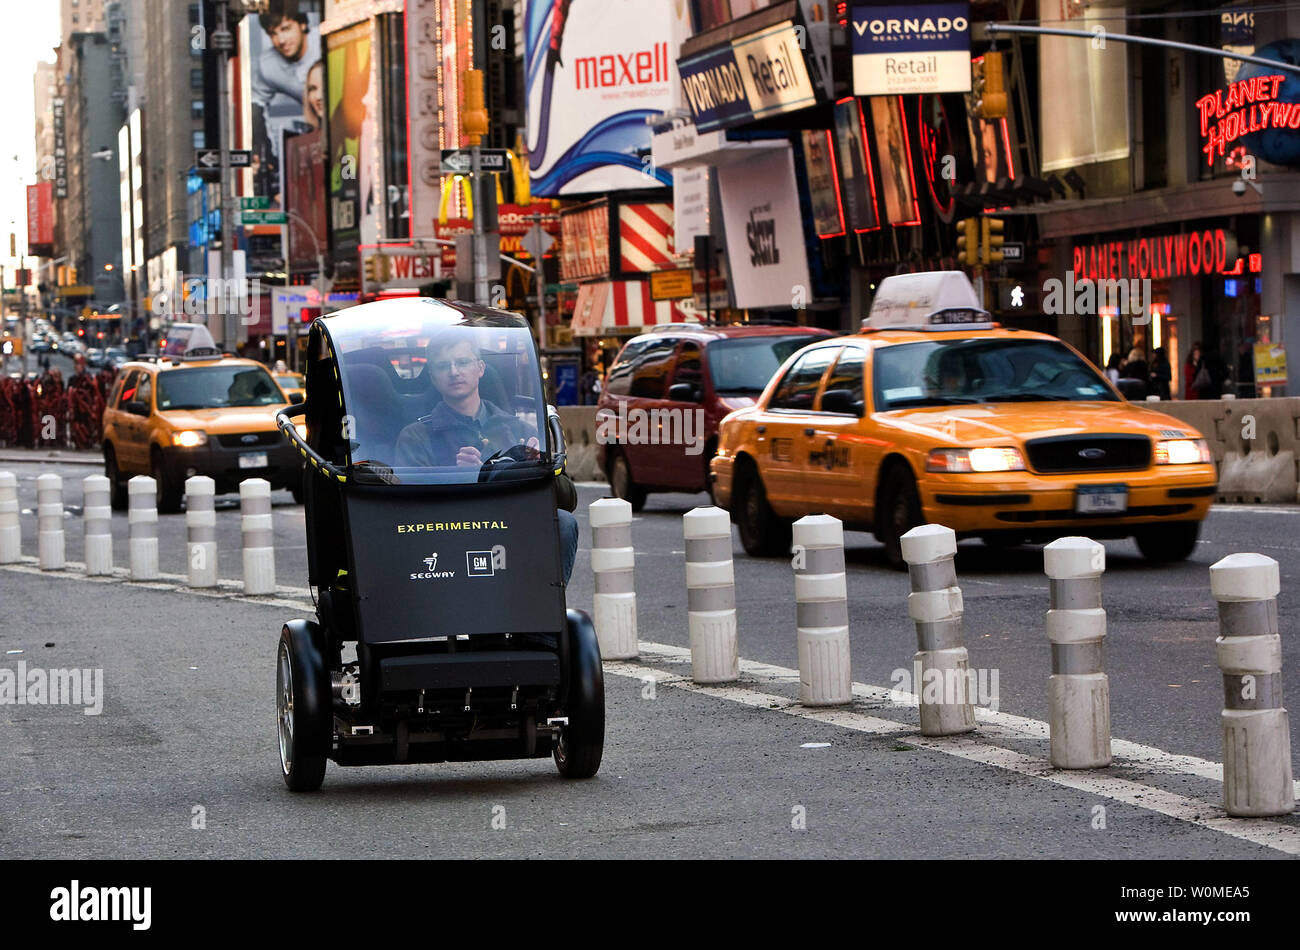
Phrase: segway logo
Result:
[431,562]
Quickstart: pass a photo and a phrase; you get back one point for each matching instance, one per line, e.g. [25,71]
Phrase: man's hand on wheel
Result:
[468,455]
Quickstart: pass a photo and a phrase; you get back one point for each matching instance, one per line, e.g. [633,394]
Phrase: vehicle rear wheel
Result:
[301,707]
[582,741]
[168,492]
[116,487]
[620,479]
[763,533]
[1167,543]
[900,512]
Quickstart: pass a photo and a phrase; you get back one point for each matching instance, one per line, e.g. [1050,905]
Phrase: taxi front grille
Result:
[248,440]
[1089,453]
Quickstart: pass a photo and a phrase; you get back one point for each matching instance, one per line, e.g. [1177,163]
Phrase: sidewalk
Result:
[63,456]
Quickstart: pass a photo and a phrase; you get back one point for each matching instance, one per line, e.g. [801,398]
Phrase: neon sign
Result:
[1197,253]
[1248,106]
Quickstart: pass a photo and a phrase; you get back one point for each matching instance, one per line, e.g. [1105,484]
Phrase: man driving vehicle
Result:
[466,430]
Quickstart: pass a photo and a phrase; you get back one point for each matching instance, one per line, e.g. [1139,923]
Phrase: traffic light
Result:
[376,266]
[993,102]
[968,242]
[991,250]
[474,117]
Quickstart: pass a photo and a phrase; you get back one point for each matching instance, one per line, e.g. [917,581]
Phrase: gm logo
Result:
[479,564]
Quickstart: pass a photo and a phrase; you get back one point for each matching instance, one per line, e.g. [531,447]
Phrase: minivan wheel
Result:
[620,479]
[900,512]
[117,497]
[1167,543]
[168,493]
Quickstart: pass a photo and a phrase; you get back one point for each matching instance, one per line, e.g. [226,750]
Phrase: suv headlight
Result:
[190,438]
[1183,452]
[997,459]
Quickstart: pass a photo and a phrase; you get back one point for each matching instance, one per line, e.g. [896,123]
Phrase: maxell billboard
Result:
[910,48]
[596,70]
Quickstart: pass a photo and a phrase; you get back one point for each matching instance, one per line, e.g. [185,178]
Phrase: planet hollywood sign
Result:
[1193,254]
[1248,105]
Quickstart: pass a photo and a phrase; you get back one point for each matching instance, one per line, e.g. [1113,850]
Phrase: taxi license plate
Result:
[1101,499]
[253,460]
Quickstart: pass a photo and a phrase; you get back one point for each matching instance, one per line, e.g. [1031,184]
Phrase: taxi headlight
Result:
[189,439]
[1183,452]
[995,459]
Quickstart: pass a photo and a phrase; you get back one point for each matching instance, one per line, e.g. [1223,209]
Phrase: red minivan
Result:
[658,414]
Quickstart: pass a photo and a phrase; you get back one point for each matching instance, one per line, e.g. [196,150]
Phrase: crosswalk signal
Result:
[993,97]
[991,251]
[968,242]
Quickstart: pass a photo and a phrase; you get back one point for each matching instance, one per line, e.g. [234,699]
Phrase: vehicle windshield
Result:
[217,387]
[435,395]
[289,382]
[956,372]
[744,365]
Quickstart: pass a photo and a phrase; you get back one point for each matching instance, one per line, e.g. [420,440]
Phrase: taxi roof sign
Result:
[931,300]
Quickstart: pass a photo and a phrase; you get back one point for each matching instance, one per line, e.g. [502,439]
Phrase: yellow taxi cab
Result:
[935,414]
[195,411]
[294,385]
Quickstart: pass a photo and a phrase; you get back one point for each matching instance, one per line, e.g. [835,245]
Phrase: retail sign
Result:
[1246,106]
[397,267]
[60,148]
[1270,364]
[765,246]
[1193,254]
[40,216]
[911,48]
[752,77]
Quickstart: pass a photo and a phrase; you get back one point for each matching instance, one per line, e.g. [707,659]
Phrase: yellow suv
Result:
[209,414]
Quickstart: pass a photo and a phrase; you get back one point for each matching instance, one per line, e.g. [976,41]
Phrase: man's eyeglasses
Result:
[462,365]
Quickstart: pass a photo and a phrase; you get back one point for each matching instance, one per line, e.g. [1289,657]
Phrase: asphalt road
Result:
[188,720]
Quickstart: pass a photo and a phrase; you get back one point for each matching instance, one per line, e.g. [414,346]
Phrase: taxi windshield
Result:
[957,372]
[745,365]
[216,387]
[432,395]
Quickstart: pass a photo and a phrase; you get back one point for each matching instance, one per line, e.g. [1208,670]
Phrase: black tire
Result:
[1003,541]
[117,497]
[582,742]
[1167,543]
[620,480]
[167,491]
[763,533]
[900,512]
[710,451]
[303,710]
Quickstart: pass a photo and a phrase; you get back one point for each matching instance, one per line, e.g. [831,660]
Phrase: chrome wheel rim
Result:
[284,708]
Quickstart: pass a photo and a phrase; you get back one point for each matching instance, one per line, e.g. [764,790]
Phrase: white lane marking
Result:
[1259,509]
[1281,837]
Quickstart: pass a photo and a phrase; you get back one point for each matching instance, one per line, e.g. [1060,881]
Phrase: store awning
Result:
[624,306]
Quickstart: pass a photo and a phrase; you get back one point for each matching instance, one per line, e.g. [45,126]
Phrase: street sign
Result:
[671,285]
[1013,252]
[265,217]
[255,203]
[210,158]
[537,242]
[459,161]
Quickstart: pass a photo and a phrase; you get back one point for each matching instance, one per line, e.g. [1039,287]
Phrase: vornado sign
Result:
[752,77]
[912,48]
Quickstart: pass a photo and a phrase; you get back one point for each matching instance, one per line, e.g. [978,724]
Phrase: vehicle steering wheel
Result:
[514,453]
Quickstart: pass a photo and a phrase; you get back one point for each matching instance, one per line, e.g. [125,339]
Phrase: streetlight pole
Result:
[291,337]
[223,43]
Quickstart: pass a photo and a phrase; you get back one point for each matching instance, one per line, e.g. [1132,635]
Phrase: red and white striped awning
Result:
[624,306]
[645,235]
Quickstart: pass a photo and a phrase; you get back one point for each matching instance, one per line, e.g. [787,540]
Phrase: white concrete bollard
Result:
[97,520]
[11,532]
[258,536]
[943,682]
[711,596]
[201,530]
[821,611]
[1256,729]
[613,605]
[50,544]
[1078,691]
[142,518]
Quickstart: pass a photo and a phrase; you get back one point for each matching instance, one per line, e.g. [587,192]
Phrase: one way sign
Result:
[210,158]
[458,161]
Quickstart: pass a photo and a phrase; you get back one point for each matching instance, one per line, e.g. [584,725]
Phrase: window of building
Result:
[196,79]
[198,139]
[196,108]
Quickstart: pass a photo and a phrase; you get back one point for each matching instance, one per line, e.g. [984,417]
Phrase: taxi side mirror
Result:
[843,402]
[684,392]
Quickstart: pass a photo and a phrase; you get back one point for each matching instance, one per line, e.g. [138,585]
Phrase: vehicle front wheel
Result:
[116,487]
[582,740]
[620,479]
[900,512]
[763,532]
[1167,543]
[301,707]
[168,492]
